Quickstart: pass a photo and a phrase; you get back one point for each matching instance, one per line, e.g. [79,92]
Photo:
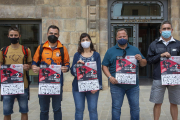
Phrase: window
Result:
[30,36]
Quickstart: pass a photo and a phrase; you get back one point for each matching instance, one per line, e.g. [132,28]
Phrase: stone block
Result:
[64,37]
[75,37]
[51,2]
[92,17]
[57,22]
[175,3]
[81,2]
[104,37]
[103,25]
[92,9]
[44,37]
[176,34]
[48,11]
[67,86]
[102,49]
[92,25]
[93,40]
[68,77]
[65,12]
[175,14]
[67,2]
[103,12]
[92,33]
[81,12]
[175,24]
[39,2]
[72,49]
[103,2]
[38,13]
[81,25]
[17,2]
[69,25]
[92,2]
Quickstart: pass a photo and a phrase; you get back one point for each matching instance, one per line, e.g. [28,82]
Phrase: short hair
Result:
[121,29]
[80,48]
[53,27]
[14,29]
[165,22]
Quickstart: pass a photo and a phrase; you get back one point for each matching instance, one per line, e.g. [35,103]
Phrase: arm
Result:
[66,61]
[36,61]
[108,74]
[29,60]
[99,72]
[73,69]
[141,60]
[151,56]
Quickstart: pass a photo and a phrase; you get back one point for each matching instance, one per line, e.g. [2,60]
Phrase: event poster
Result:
[12,82]
[170,70]
[49,80]
[126,70]
[87,76]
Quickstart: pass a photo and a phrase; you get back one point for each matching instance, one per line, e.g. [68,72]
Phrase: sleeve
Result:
[151,56]
[99,71]
[141,54]
[29,58]
[1,56]
[73,69]
[36,57]
[106,61]
[66,58]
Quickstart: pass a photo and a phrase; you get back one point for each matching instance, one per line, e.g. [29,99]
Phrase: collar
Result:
[117,47]
[171,40]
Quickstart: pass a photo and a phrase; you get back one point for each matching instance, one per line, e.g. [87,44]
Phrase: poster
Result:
[126,70]
[87,76]
[49,80]
[12,82]
[170,70]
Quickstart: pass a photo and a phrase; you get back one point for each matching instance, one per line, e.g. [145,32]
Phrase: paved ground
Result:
[104,107]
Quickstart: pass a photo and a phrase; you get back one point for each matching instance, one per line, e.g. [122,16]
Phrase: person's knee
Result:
[158,105]
[174,105]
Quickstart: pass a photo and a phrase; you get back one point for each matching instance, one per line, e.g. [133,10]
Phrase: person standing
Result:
[15,55]
[165,46]
[86,53]
[122,48]
[51,55]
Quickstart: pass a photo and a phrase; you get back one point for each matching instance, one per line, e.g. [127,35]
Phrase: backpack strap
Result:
[4,52]
[62,55]
[25,52]
[40,52]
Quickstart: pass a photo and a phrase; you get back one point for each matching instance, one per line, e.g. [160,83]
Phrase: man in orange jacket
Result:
[51,55]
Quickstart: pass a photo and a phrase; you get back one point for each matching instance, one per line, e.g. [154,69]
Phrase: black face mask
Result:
[14,40]
[52,38]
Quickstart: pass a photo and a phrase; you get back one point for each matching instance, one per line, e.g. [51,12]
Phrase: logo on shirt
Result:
[57,54]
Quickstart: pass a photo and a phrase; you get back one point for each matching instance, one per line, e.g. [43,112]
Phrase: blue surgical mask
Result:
[122,41]
[166,34]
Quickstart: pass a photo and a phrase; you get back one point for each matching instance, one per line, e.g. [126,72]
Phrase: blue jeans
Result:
[8,102]
[92,100]
[117,95]
[44,101]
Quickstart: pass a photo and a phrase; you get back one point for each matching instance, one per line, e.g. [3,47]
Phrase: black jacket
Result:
[155,50]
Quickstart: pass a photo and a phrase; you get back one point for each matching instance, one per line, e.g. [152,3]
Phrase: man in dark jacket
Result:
[165,46]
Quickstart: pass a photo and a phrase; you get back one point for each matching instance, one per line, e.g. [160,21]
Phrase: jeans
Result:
[117,95]
[44,101]
[92,100]
[8,102]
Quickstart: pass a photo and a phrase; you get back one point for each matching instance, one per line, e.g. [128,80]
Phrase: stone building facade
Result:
[74,17]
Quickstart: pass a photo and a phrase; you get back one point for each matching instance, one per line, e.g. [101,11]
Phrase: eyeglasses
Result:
[124,53]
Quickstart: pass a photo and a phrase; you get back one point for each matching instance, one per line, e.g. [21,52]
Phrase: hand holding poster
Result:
[49,80]
[170,70]
[126,69]
[12,79]
[87,76]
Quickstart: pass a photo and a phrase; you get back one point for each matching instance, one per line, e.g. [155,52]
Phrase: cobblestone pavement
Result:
[104,107]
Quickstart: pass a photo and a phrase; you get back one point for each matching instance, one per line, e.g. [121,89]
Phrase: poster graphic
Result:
[12,82]
[126,70]
[87,76]
[170,70]
[49,80]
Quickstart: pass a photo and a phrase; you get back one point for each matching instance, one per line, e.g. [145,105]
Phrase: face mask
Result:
[14,40]
[166,34]
[52,38]
[122,41]
[85,44]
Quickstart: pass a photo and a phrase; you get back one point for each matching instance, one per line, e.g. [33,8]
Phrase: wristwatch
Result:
[109,77]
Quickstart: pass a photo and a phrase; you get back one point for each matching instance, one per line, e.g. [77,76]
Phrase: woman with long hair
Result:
[86,53]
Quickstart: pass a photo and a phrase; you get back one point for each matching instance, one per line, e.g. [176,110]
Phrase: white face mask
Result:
[86,44]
